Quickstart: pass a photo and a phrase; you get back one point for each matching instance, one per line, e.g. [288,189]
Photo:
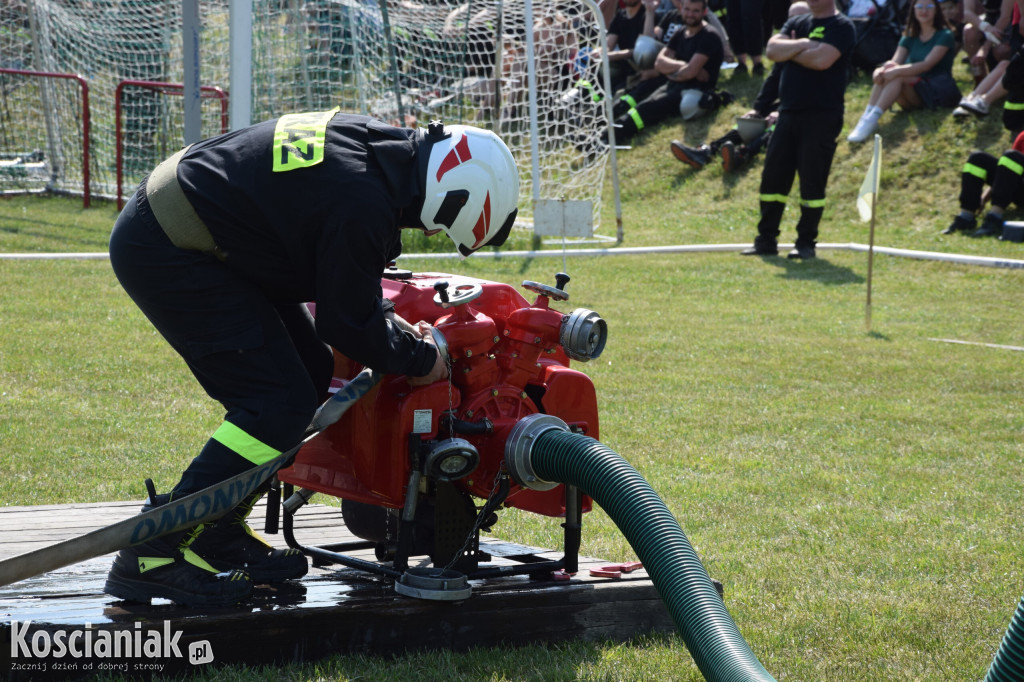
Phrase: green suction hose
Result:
[1008,665]
[541,451]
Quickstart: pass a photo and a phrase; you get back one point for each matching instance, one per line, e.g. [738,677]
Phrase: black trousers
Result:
[637,94]
[802,143]
[745,26]
[1004,174]
[660,104]
[263,361]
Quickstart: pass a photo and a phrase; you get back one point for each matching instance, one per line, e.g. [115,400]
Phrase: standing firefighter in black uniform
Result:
[814,50]
[222,245]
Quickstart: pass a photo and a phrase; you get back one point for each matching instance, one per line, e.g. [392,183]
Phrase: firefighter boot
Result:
[230,543]
[168,568]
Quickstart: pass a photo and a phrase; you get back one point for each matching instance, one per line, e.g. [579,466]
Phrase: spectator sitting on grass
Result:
[650,78]
[920,73]
[735,150]
[630,22]
[1005,177]
[690,63]
[984,44]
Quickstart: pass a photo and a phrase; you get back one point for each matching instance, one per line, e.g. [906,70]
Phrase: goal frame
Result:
[86,121]
[206,92]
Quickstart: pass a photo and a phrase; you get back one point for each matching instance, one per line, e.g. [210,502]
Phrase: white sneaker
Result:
[862,131]
[961,112]
[975,105]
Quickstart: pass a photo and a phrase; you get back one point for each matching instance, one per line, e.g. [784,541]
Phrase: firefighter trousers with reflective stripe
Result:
[260,359]
[803,143]
[1003,174]
[662,103]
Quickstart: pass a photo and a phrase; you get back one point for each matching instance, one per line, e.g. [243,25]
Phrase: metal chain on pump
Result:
[494,498]
[451,397]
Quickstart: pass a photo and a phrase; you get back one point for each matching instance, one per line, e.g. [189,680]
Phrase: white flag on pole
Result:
[869,188]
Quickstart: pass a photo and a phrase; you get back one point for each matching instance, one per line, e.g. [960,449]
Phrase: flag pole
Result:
[870,185]
[871,260]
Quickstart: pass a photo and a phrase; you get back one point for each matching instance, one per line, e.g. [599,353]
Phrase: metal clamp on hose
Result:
[519,447]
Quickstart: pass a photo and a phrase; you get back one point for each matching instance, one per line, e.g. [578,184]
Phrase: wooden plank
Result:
[329,611]
[359,615]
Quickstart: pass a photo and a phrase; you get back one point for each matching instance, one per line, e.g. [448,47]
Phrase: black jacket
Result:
[320,233]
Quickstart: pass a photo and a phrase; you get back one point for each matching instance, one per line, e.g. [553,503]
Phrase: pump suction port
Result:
[519,446]
[583,334]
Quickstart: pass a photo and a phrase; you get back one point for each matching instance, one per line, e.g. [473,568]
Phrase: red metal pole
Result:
[86,133]
[223,97]
[86,121]
[171,89]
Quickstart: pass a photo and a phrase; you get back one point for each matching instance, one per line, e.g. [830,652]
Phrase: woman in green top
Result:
[920,73]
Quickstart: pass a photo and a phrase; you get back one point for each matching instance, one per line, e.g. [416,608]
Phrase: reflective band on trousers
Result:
[812,203]
[1013,106]
[241,443]
[635,115]
[594,94]
[629,100]
[1012,165]
[976,171]
[780,198]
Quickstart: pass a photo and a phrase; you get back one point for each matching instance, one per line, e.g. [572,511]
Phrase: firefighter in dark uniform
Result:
[1004,175]
[222,246]
[814,50]
[1013,107]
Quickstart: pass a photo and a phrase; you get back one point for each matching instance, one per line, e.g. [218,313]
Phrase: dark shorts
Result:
[938,91]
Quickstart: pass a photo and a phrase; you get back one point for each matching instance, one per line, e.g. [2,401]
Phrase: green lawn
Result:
[857,493]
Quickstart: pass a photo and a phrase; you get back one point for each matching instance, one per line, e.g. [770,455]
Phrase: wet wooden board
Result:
[331,610]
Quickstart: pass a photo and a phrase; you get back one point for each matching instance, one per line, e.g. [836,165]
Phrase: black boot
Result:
[991,226]
[230,543]
[169,569]
[734,156]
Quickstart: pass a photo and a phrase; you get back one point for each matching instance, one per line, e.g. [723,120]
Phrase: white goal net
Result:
[405,62]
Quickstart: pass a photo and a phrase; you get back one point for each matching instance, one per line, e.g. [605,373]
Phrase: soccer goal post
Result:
[521,68]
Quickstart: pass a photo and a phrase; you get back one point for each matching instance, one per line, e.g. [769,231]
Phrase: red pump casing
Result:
[506,363]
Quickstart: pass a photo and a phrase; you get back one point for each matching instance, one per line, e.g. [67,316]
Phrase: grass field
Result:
[857,493]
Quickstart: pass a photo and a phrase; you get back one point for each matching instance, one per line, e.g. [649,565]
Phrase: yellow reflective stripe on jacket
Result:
[240,442]
[1011,164]
[780,198]
[813,203]
[299,139]
[976,171]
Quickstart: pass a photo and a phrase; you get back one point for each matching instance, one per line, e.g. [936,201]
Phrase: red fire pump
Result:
[409,463]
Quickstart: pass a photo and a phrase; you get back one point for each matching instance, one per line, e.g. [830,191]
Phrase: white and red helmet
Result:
[471,186]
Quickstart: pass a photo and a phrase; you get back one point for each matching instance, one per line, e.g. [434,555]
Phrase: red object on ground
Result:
[615,570]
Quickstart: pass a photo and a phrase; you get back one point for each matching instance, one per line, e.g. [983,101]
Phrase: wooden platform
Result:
[331,610]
